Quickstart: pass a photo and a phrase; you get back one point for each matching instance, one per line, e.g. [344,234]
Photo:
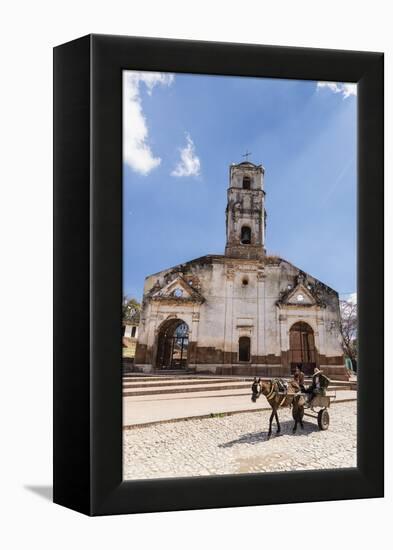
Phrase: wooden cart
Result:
[321,402]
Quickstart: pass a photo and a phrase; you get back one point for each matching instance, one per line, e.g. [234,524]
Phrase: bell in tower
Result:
[245,213]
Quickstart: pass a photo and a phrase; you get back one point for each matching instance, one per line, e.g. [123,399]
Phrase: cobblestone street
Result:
[238,444]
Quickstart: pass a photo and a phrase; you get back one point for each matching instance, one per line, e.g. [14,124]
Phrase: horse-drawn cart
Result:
[277,395]
[321,402]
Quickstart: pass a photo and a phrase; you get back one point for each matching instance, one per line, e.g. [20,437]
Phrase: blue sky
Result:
[181,133]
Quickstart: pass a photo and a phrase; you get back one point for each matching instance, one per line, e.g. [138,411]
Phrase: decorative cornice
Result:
[158,293]
[305,288]
[178,299]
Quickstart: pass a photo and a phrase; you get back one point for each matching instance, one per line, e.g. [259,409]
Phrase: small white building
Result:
[130,336]
[130,330]
[244,312]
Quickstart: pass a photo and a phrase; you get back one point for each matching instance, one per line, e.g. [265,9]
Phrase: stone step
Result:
[133,376]
[141,390]
[161,372]
[175,380]
[184,389]
[129,377]
[165,383]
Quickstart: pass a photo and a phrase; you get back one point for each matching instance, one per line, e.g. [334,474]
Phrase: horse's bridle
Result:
[256,391]
[257,386]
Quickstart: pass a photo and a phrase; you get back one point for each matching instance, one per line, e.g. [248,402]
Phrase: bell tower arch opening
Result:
[246,183]
[245,237]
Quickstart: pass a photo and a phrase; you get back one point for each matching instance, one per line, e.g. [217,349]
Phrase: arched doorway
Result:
[172,345]
[302,347]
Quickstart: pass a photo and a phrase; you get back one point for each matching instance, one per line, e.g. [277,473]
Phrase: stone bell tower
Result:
[245,213]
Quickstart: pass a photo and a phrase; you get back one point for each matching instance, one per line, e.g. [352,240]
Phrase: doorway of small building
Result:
[302,348]
[172,345]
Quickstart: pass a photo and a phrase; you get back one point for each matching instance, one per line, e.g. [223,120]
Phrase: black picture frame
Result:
[88,274]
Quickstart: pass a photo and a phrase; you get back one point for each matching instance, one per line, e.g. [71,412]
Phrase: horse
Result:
[276,399]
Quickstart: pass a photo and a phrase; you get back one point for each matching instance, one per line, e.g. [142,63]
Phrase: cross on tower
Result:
[247,154]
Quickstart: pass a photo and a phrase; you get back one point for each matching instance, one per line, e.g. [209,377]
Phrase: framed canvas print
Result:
[218,275]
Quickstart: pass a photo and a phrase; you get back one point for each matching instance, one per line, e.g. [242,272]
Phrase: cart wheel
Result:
[323,419]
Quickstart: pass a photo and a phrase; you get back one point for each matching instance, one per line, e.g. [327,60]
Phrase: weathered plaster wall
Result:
[233,309]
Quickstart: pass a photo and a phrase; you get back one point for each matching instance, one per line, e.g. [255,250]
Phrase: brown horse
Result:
[277,399]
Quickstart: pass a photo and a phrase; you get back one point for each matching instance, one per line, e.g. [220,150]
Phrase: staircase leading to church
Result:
[135,385]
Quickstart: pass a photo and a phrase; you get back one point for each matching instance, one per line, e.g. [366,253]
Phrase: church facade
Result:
[244,312]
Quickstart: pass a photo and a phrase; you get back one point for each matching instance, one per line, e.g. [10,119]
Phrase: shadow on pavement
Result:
[286,429]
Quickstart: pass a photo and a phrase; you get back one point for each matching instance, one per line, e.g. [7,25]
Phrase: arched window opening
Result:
[246,182]
[244,348]
[245,235]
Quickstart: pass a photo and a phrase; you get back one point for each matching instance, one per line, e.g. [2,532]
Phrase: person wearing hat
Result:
[319,383]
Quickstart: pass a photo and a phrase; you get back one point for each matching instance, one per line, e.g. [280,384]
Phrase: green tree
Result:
[131,309]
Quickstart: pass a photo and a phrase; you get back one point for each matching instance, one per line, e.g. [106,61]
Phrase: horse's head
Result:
[256,389]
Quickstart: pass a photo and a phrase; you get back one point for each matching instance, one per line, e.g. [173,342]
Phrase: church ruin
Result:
[244,312]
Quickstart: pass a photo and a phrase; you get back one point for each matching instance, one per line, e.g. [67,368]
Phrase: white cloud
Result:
[189,164]
[137,152]
[345,88]
[352,298]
